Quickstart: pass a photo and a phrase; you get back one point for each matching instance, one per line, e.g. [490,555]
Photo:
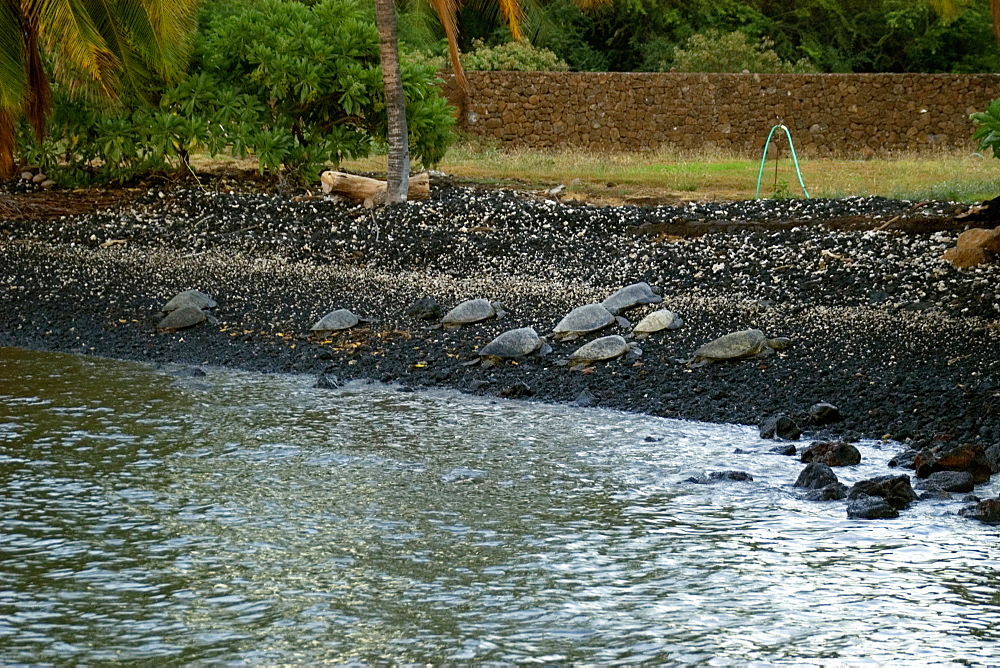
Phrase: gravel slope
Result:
[902,342]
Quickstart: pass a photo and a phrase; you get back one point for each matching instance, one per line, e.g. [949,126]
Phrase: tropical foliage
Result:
[833,35]
[294,85]
[95,48]
[732,52]
[988,128]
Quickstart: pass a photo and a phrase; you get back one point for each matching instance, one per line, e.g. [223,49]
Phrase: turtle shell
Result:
[469,311]
[631,296]
[336,320]
[734,345]
[583,319]
[513,343]
[198,300]
[604,348]
[658,321]
[185,316]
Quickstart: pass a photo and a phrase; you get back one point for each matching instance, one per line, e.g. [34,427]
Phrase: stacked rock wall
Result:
[828,114]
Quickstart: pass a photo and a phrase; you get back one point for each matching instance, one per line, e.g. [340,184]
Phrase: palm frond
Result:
[513,15]
[39,101]
[13,75]
[447,12]
[69,32]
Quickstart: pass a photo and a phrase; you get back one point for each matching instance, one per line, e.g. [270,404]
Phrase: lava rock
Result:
[834,492]
[986,511]
[736,476]
[970,457]
[585,399]
[326,381]
[788,450]
[823,413]
[832,453]
[896,490]
[993,457]
[948,481]
[425,308]
[816,476]
[864,507]
[515,390]
[780,426]
[720,476]
[904,459]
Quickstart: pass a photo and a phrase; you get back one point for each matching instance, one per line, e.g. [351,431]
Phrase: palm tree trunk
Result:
[398,176]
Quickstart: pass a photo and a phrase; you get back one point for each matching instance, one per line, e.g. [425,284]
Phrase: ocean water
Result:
[245,518]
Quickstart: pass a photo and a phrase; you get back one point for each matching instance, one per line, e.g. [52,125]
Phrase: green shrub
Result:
[512,56]
[987,131]
[296,86]
[713,51]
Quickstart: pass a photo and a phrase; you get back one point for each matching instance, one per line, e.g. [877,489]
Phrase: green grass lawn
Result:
[613,177]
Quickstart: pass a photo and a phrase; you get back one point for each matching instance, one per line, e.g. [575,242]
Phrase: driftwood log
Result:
[364,189]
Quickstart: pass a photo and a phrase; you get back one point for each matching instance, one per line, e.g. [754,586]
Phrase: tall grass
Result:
[952,175]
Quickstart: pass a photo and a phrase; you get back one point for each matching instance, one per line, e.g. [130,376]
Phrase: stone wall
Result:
[828,114]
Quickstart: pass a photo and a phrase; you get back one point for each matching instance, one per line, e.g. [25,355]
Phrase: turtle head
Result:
[779,343]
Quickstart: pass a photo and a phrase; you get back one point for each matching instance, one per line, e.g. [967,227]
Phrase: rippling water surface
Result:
[249,518]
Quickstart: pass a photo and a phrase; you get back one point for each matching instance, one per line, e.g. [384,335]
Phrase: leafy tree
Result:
[296,86]
[101,48]
[732,52]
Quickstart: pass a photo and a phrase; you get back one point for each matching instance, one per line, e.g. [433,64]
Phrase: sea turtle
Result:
[655,322]
[471,311]
[737,345]
[180,318]
[604,348]
[194,298]
[631,296]
[581,320]
[511,344]
[335,321]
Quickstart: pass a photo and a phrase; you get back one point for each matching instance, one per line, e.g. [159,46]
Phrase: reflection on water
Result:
[252,518]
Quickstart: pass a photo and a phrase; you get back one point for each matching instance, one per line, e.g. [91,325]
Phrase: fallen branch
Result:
[362,188]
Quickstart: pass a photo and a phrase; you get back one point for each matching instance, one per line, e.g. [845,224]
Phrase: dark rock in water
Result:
[736,476]
[993,457]
[788,450]
[832,453]
[816,476]
[954,457]
[518,389]
[834,492]
[864,507]
[741,451]
[896,490]
[463,474]
[326,382]
[948,481]
[425,308]
[904,459]
[986,511]
[584,399]
[652,439]
[931,495]
[477,385]
[717,476]
[780,426]
[441,375]
[823,413]
[189,372]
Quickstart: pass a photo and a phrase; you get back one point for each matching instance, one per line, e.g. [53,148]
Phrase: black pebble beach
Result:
[905,345]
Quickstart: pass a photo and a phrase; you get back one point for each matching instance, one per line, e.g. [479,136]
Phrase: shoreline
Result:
[902,343]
